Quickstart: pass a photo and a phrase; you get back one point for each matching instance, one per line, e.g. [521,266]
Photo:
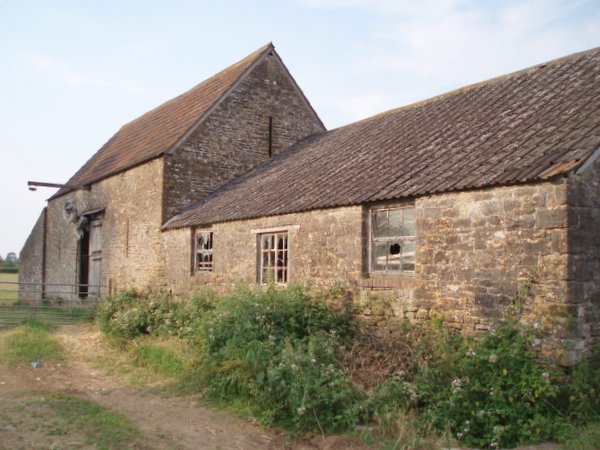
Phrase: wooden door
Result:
[95,258]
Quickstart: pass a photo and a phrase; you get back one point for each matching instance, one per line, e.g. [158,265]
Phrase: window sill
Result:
[403,280]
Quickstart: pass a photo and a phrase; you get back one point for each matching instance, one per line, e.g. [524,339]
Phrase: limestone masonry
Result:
[465,207]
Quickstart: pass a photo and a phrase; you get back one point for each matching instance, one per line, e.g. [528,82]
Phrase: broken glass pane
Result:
[383,259]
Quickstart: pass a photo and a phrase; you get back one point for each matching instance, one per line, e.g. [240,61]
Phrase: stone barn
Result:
[457,206]
[103,229]
[450,206]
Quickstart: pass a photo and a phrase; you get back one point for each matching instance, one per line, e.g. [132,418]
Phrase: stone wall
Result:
[31,268]
[476,250]
[584,257]
[234,138]
[132,253]
[325,248]
[479,254]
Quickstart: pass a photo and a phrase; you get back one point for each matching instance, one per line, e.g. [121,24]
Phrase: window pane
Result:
[380,256]
[274,258]
[408,256]
[395,222]
[380,224]
[409,222]
[204,244]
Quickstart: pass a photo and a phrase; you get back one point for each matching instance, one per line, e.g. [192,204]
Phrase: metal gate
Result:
[51,303]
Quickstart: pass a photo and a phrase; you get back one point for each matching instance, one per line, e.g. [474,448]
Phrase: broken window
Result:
[393,240]
[273,257]
[204,251]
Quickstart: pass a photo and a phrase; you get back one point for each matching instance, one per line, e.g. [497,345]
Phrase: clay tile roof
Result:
[529,125]
[160,129]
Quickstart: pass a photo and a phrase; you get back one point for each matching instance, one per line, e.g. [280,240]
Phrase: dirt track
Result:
[173,422]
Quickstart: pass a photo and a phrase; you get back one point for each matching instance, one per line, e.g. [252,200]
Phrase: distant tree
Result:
[10,264]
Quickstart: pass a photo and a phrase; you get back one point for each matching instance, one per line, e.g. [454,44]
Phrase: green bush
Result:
[131,314]
[306,389]
[278,352]
[495,394]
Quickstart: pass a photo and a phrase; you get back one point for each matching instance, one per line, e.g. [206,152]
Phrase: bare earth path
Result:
[177,422]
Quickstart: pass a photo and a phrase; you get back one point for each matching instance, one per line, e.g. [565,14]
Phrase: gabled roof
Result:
[162,128]
[529,125]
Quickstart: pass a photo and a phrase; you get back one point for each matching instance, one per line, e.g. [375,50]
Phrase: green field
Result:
[13,289]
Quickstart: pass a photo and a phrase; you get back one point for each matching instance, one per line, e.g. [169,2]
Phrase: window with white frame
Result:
[273,257]
[203,242]
[392,242]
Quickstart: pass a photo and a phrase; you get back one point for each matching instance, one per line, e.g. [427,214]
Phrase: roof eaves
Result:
[589,161]
[67,189]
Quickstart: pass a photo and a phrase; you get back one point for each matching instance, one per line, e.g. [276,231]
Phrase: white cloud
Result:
[398,7]
[64,72]
[450,43]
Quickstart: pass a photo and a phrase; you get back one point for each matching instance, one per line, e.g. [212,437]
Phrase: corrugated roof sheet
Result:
[529,125]
[158,130]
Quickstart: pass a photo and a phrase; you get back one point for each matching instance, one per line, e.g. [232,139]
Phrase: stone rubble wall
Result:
[477,249]
[324,248]
[30,261]
[481,255]
[584,258]
[132,249]
[234,138]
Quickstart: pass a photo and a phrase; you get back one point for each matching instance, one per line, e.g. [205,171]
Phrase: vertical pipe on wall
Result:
[270,136]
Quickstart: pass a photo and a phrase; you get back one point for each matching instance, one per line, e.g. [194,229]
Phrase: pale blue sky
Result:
[73,71]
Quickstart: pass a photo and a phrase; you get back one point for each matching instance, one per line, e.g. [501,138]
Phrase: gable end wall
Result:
[31,267]
[234,138]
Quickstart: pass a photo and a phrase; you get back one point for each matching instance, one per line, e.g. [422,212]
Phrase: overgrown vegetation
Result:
[306,362]
[31,342]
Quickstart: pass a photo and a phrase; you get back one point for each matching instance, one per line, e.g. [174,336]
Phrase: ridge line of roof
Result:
[261,53]
[177,97]
[257,55]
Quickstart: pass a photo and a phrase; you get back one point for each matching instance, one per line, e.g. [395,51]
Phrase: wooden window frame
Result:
[400,239]
[276,254]
[203,257]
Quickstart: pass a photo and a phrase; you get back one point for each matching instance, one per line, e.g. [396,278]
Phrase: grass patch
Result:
[587,438]
[165,357]
[28,343]
[60,421]
[101,426]
[9,293]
